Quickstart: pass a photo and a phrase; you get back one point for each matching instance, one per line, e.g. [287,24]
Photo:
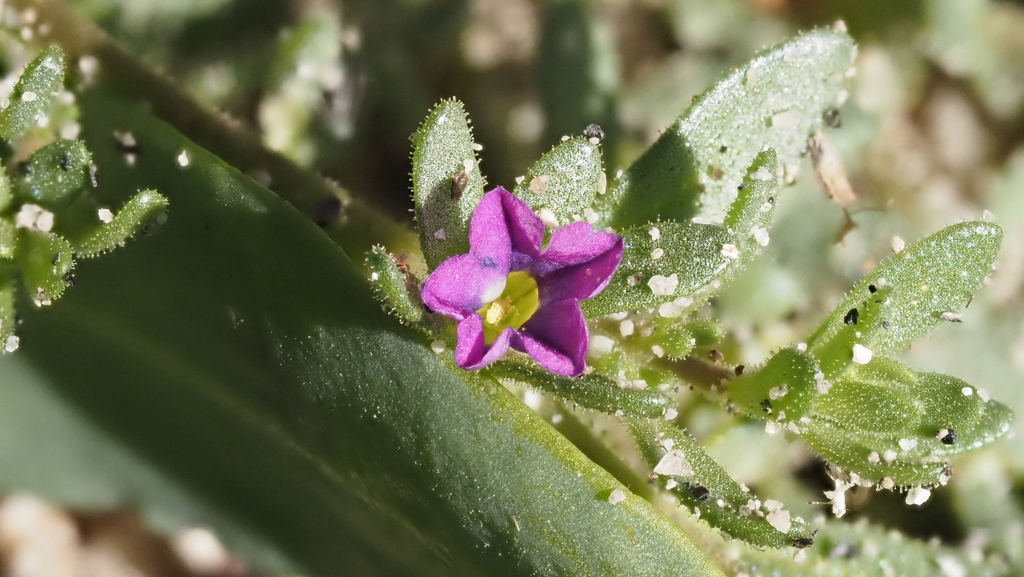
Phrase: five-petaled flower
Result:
[509,291]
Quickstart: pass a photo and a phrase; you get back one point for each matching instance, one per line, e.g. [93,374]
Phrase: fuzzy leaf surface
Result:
[564,180]
[33,94]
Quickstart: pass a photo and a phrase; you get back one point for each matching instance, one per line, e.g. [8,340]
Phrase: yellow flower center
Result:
[513,308]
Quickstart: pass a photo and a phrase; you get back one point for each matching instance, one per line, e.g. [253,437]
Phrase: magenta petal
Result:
[471,351]
[557,338]
[503,228]
[461,285]
[589,259]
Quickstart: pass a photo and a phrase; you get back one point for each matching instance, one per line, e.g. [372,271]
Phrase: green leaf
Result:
[774,101]
[240,352]
[751,213]
[781,390]
[934,276]
[689,257]
[8,239]
[55,174]
[5,190]
[446,181]
[33,94]
[392,286]
[132,217]
[564,180]
[887,409]
[45,259]
[591,391]
[708,488]
[7,311]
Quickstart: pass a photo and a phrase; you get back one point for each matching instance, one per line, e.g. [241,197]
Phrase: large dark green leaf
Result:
[240,353]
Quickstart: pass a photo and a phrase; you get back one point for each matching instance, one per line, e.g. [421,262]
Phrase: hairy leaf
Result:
[390,284]
[564,180]
[54,175]
[446,181]
[128,221]
[45,260]
[776,101]
[33,94]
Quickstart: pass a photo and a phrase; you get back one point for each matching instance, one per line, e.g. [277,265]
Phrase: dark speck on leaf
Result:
[593,131]
[766,406]
[488,262]
[55,259]
[460,180]
[65,162]
[723,149]
[716,356]
[739,370]
[94,175]
[701,493]
[872,289]
[327,211]
[741,186]
[25,168]
[885,324]
[851,317]
[803,542]
[70,278]
[948,437]
[832,118]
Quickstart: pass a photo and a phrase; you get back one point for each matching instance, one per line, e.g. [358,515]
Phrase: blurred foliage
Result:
[932,134]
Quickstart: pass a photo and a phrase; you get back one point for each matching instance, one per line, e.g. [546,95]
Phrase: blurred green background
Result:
[931,134]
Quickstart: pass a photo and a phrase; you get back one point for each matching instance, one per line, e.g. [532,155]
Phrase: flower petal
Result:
[557,338]
[472,352]
[504,229]
[463,284]
[578,262]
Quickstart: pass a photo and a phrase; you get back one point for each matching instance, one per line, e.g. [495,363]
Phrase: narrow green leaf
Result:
[8,239]
[134,215]
[883,420]
[33,94]
[5,190]
[7,311]
[775,101]
[934,276]
[45,259]
[663,263]
[564,180]
[55,174]
[446,181]
[591,391]
[708,488]
[751,213]
[392,286]
[781,390]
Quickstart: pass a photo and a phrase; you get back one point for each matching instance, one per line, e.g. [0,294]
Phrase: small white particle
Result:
[761,175]
[674,464]
[861,354]
[918,496]
[984,395]
[771,427]
[105,215]
[730,251]
[477,146]
[600,345]
[657,253]
[838,497]
[967,391]
[27,215]
[800,556]
[655,234]
[591,215]
[617,496]
[28,96]
[45,221]
[873,457]
[889,455]
[778,392]
[602,183]
[951,567]
[626,328]
[952,317]
[619,173]
[440,234]
[671,484]
[987,216]
[658,351]
[595,140]
[556,418]
[467,164]
[520,179]
[670,310]
[801,347]
[548,218]
[760,235]
[780,520]
[565,137]
[671,414]
[772,504]
[767,206]
[12,343]
[839,26]
[183,159]
[898,244]
[374,276]
[908,444]
[887,483]
[663,285]
[437,346]
[539,184]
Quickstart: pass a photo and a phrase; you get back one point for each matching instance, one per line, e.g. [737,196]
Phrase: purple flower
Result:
[511,292]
